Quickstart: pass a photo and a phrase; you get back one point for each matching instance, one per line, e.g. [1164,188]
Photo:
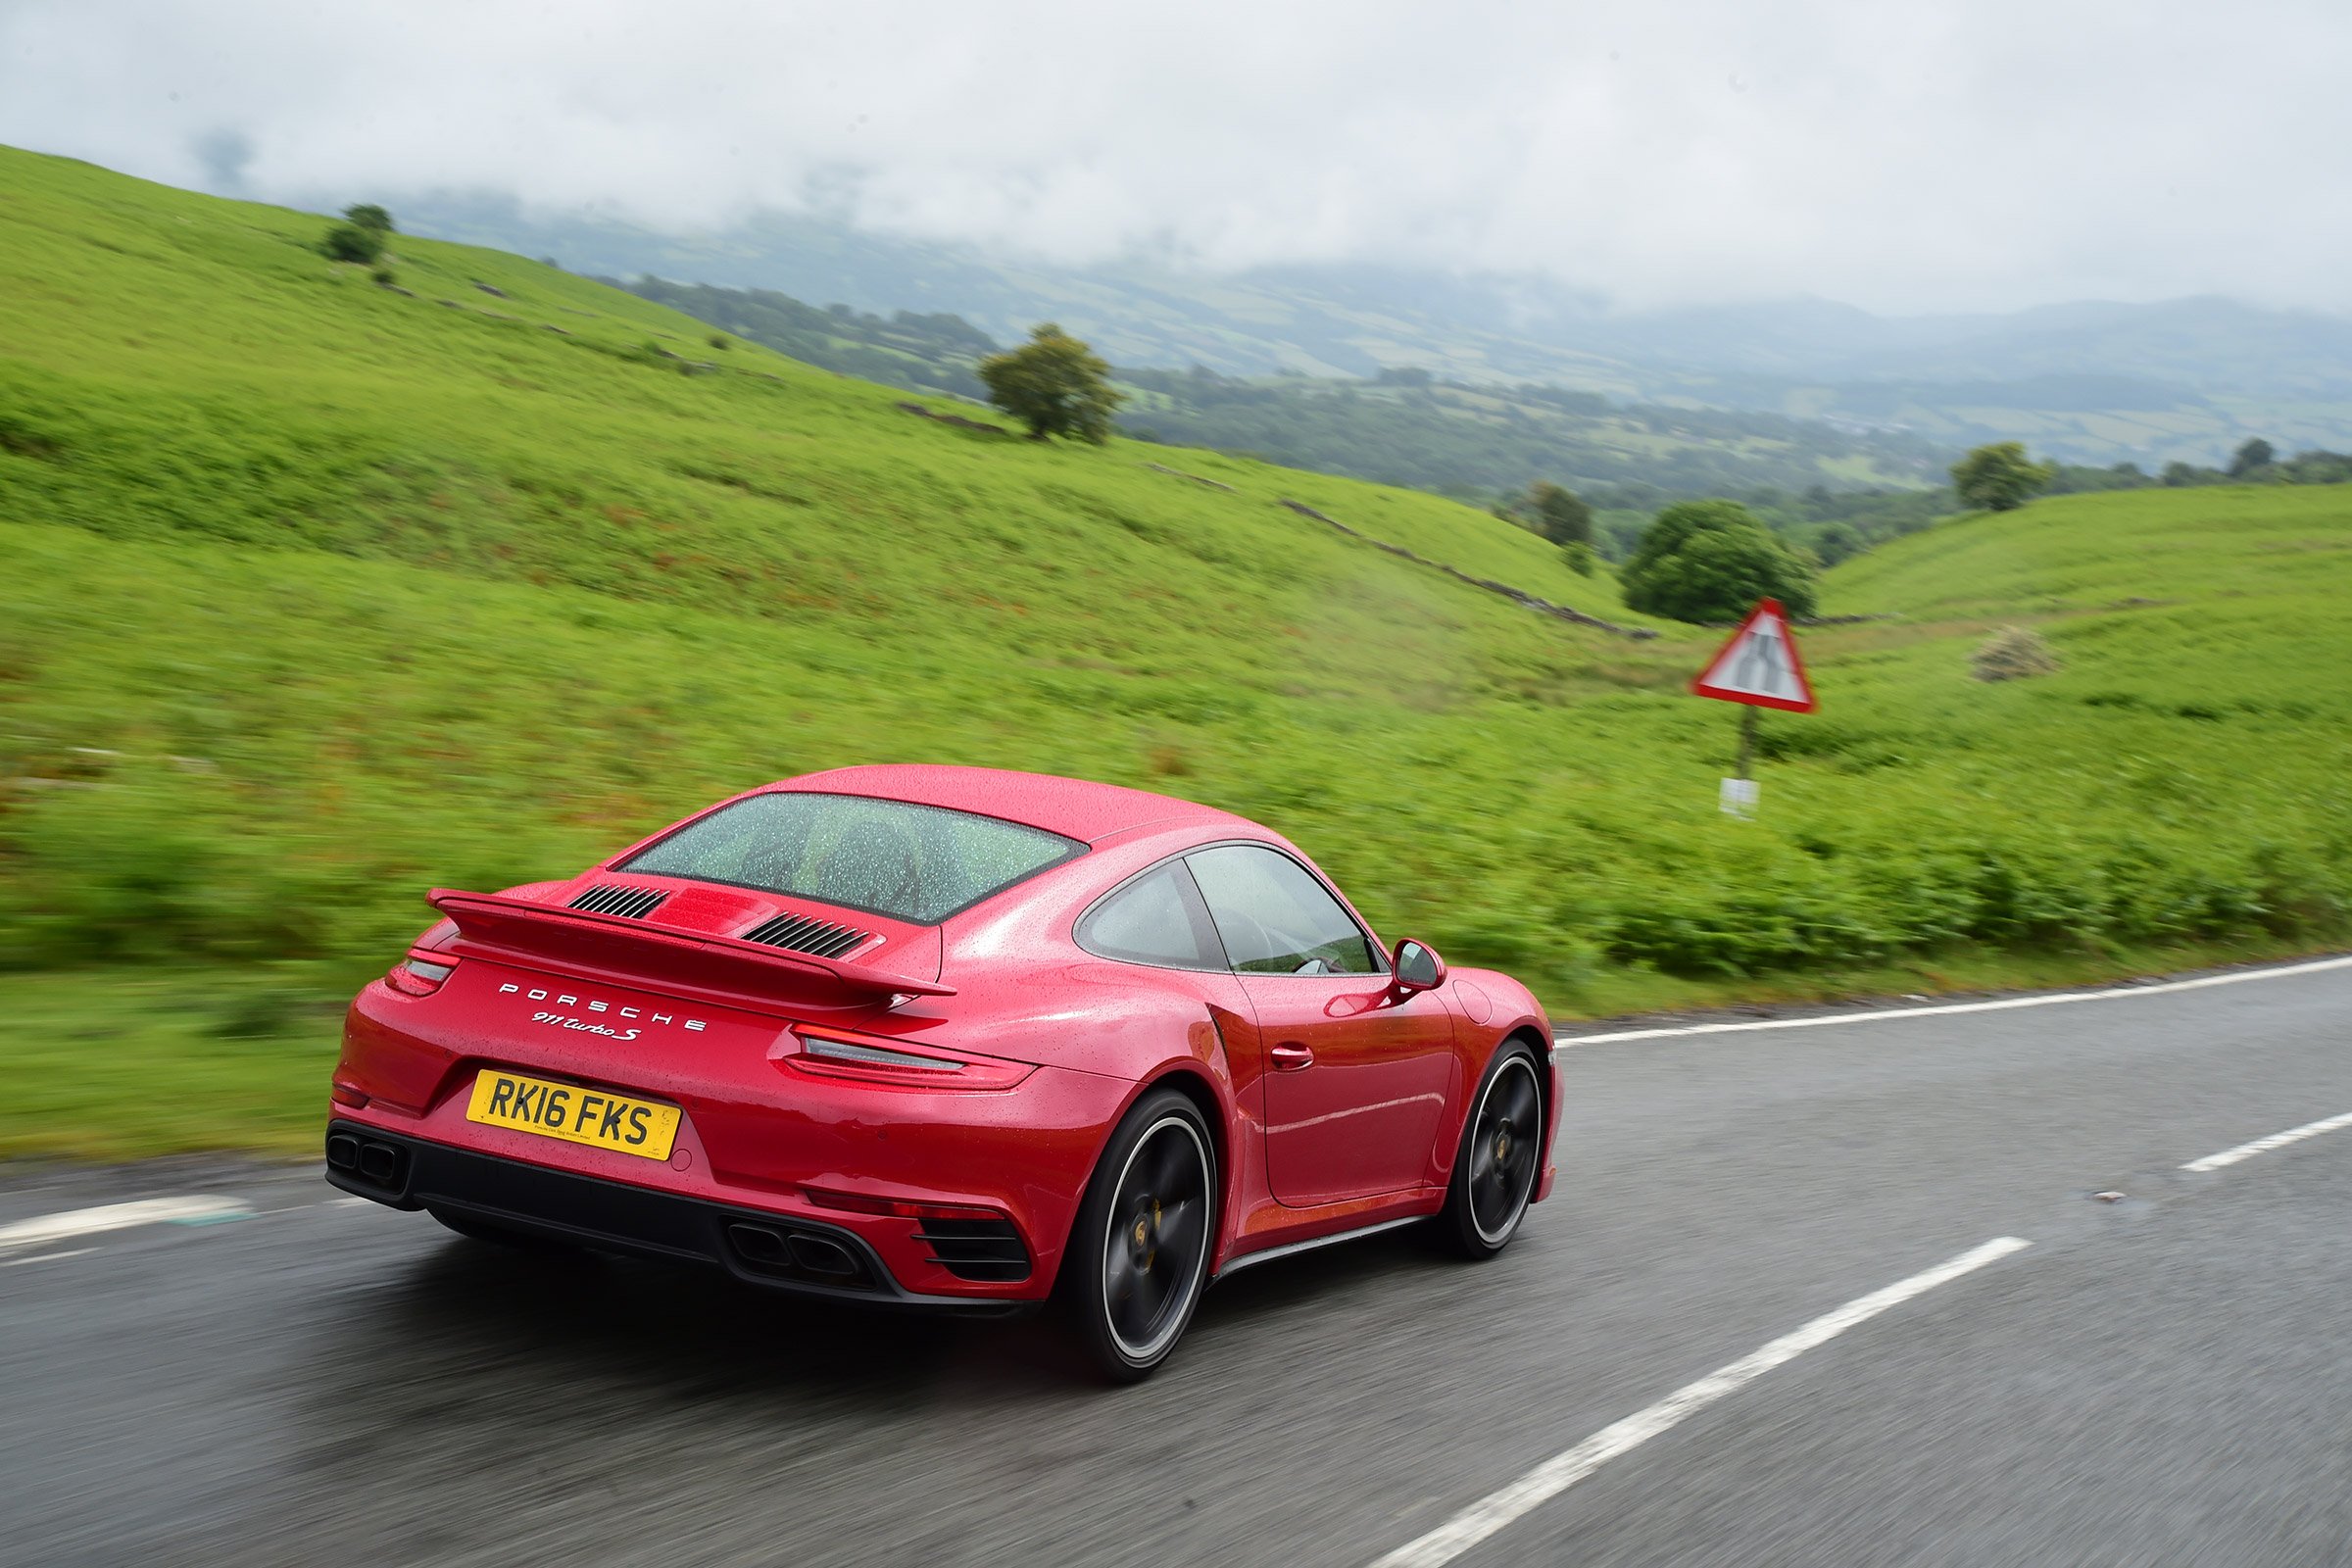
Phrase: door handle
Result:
[1290,1056]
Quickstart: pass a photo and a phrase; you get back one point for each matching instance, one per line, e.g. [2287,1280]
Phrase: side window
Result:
[1156,918]
[1274,918]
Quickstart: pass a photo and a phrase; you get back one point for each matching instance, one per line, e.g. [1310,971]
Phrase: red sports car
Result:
[949,1037]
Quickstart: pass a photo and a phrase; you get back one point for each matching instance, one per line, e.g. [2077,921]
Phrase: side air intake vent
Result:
[800,933]
[612,898]
[976,1248]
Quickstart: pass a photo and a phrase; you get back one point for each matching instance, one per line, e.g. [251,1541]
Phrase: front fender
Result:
[1497,1008]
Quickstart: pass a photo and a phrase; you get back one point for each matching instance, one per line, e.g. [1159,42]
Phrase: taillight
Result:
[419,977]
[860,1204]
[867,1060]
[832,1049]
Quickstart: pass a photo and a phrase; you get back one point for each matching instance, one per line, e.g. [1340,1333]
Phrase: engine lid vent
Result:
[802,933]
[614,898]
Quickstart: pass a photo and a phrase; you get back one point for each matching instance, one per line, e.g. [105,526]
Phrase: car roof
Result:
[1074,807]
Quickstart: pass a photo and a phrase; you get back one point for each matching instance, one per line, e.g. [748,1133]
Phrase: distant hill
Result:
[1402,426]
[2091,382]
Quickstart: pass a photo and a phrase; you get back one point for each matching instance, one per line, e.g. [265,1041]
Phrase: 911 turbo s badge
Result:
[556,1018]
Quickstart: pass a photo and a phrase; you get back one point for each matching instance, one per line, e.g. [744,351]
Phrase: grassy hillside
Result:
[314,594]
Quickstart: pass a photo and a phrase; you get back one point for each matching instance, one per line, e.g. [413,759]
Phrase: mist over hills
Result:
[2089,381]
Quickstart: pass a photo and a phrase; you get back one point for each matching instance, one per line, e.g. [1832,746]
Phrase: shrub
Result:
[1580,557]
[1834,542]
[366,215]
[353,242]
[2014,652]
[1561,514]
[382,274]
[721,340]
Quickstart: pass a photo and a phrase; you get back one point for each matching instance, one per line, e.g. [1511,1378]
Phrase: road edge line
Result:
[67,1224]
[2050,999]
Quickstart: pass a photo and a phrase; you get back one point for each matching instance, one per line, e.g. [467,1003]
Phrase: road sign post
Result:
[1759,668]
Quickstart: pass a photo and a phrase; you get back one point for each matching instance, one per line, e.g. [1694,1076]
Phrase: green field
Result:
[314,594]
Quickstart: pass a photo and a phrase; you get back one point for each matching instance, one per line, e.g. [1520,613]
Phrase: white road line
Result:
[2263,1146]
[2050,999]
[1558,1474]
[45,1257]
[47,1228]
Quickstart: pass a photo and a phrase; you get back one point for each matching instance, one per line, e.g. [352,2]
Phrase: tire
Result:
[1137,1258]
[1502,1148]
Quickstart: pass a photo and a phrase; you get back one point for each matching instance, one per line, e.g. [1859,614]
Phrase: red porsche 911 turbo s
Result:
[947,1037]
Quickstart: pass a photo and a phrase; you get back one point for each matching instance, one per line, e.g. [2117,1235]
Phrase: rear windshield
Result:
[911,862]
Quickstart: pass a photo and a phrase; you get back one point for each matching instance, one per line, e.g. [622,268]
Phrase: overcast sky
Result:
[1904,155]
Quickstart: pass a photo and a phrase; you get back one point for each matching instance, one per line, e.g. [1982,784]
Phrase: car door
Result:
[1358,1077]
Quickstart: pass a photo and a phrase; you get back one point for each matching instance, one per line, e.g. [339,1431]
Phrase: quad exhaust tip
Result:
[797,1255]
[368,1160]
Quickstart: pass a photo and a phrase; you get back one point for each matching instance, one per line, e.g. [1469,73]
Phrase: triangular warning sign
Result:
[1759,666]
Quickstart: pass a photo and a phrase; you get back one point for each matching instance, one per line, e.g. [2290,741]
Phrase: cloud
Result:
[1970,154]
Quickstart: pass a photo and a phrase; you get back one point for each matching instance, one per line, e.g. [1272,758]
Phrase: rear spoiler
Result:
[629,952]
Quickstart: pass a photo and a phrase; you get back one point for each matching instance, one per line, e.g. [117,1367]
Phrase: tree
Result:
[2317,467]
[351,242]
[1999,477]
[366,215]
[1560,516]
[1710,560]
[1054,384]
[2257,454]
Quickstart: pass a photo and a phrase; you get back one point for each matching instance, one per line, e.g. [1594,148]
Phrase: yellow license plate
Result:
[578,1115]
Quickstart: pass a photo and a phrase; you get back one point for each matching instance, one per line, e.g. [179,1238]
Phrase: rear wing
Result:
[629,952]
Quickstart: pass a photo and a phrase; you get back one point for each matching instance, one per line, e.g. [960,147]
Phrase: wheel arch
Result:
[1547,1094]
[1528,1035]
[1191,1080]
[1193,1084]
[1457,1127]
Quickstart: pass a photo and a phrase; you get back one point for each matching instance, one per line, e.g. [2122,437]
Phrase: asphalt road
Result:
[2164,1378]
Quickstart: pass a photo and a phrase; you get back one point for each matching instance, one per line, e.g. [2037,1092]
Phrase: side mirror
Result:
[1417,968]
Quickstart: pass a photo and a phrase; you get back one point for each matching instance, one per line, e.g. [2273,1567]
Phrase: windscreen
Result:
[911,862]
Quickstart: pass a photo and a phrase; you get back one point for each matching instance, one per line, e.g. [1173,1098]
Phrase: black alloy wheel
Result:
[1502,1146]
[1139,1253]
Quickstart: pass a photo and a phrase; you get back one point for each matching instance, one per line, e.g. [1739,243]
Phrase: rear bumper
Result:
[758,1247]
[755,1131]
